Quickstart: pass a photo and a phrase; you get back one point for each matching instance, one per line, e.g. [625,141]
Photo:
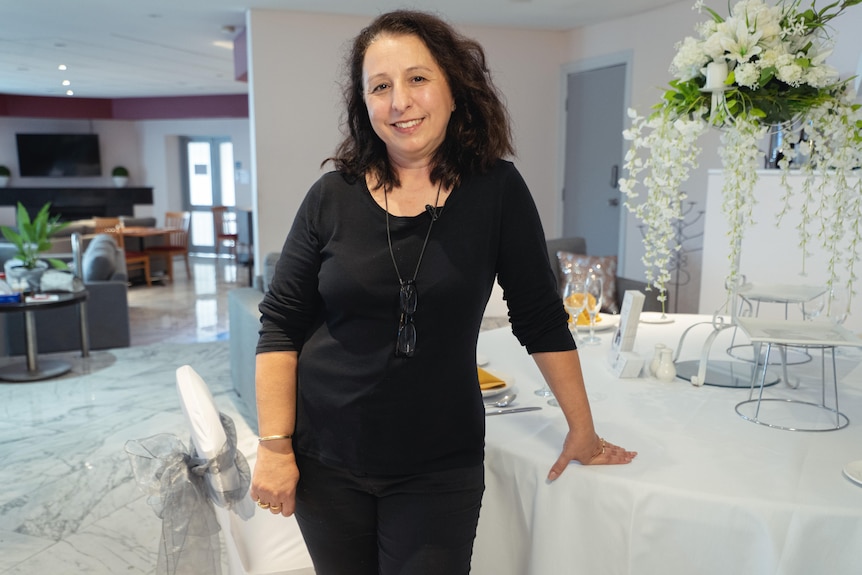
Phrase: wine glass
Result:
[837,304]
[813,307]
[574,301]
[593,300]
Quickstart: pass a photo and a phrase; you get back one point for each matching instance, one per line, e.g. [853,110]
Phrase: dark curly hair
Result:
[479,131]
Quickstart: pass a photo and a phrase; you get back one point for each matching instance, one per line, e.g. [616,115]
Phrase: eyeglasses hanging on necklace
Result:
[408,298]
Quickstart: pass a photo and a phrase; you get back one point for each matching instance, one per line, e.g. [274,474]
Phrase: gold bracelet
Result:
[273,437]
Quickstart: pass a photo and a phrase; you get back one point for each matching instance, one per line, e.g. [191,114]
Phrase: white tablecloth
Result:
[709,492]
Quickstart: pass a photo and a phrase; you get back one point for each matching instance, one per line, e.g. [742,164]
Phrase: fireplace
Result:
[79,203]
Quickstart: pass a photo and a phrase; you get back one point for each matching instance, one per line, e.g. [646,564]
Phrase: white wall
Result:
[118,145]
[148,148]
[295,66]
[295,107]
[651,37]
[160,155]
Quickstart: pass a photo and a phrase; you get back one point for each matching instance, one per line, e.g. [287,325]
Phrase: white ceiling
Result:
[127,48]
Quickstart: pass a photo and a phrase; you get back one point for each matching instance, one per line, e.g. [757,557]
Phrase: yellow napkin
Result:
[488,381]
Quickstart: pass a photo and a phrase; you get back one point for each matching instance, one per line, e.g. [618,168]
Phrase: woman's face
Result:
[408,98]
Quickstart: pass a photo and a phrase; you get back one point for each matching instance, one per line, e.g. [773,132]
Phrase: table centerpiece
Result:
[760,70]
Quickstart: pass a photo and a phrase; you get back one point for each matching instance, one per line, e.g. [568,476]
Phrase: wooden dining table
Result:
[145,234]
[145,231]
[709,493]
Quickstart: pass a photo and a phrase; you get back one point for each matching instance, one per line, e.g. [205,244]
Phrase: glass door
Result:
[208,180]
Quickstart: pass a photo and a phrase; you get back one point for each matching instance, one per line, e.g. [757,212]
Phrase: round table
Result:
[33,369]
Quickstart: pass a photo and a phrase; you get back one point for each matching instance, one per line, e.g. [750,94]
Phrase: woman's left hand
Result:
[591,450]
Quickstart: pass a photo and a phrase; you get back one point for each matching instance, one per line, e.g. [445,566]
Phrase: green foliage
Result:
[32,236]
[4,171]
[770,100]
[120,172]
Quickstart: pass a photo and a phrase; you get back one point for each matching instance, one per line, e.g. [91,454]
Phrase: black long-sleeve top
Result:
[334,298]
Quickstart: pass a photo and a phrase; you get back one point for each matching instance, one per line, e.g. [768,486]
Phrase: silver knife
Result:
[513,410]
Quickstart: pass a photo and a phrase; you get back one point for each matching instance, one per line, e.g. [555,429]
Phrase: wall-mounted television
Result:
[58,155]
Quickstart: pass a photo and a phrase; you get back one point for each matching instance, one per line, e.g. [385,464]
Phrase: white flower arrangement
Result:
[760,68]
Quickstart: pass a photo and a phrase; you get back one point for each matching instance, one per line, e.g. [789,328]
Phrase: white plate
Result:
[609,321]
[509,381]
[853,471]
[654,317]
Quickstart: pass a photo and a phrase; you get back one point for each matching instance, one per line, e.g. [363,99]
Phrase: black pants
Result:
[391,525]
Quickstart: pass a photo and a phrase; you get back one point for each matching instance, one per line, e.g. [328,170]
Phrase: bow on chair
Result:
[176,481]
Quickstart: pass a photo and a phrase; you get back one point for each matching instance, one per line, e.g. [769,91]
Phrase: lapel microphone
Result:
[432,211]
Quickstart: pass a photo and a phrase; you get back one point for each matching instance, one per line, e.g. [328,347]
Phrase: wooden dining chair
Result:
[224,227]
[135,260]
[176,242]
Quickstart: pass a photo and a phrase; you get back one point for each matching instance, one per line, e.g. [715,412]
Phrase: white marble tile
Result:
[70,503]
[16,548]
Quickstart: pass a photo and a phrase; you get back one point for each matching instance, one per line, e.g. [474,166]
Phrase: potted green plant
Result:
[121,176]
[30,240]
[4,176]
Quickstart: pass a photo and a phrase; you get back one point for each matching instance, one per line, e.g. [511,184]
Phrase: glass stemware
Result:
[837,304]
[813,307]
[575,301]
[593,300]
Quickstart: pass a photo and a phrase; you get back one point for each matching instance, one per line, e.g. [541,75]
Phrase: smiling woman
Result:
[408,99]
[379,294]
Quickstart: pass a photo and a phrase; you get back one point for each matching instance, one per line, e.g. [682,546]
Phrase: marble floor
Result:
[69,503]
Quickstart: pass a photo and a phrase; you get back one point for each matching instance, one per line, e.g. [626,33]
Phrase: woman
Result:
[377,299]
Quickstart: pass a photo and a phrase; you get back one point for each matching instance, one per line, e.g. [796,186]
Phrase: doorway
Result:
[208,180]
[595,103]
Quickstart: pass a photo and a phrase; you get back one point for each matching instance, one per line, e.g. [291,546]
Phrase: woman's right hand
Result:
[275,477]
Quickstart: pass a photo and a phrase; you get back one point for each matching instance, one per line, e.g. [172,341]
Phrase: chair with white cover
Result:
[257,541]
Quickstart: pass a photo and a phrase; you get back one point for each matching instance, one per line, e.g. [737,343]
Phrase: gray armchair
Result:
[103,271]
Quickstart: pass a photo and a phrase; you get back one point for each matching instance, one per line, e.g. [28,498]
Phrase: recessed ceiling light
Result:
[61,67]
[226,44]
[66,82]
[70,93]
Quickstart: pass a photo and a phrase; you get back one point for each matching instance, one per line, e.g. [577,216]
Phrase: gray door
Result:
[595,112]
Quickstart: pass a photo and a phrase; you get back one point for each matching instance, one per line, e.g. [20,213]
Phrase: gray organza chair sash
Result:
[182,487]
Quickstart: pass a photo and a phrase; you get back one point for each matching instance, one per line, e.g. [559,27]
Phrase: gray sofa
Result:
[103,272]
[244,319]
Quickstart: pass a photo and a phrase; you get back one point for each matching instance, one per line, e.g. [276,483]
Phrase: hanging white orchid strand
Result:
[740,158]
[669,151]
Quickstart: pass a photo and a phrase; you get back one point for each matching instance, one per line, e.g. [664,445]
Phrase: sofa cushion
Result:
[99,260]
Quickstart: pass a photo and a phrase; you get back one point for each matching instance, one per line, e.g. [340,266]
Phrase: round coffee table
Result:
[33,369]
